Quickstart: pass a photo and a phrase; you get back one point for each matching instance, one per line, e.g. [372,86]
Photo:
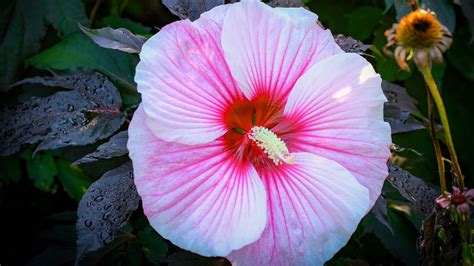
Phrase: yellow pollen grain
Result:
[271,145]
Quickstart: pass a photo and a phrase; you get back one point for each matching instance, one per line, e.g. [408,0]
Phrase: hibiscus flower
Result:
[257,138]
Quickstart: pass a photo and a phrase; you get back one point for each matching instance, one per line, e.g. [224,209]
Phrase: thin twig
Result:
[437,147]
[438,100]
[94,12]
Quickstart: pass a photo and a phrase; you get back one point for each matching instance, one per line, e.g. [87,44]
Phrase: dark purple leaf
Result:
[116,146]
[190,9]
[399,108]
[87,113]
[413,189]
[350,45]
[398,96]
[286,3]
[401,121]
[105,207]
[118,39]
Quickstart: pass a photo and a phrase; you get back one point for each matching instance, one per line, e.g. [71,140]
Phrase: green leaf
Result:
[26,28]
[402,8]
[21,40]
[154,246]
[389,69]
[402,242]
[362,22]
[379,210]
[77,50]
[74,181]
[458,94]
[467,7]
[330,16]
[42,170]
[414,216]
[65,15]
[10,168]
[421,163]
[444,12]
[438,74]
[6,10]
[388,5]
[461,53]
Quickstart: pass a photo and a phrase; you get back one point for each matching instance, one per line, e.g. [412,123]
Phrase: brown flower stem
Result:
[437,147]
[428,76]
[94,12]
[413,4]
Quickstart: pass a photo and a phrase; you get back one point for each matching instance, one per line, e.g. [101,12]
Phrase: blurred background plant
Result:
[40,189]
[422,38]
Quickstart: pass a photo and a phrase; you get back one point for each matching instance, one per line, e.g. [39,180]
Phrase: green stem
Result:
[437,147]
[426,71]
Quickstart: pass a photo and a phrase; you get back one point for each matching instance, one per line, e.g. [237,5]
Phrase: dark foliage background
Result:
[40,194]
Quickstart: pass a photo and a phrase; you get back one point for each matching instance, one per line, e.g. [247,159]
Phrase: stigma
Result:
[271,145]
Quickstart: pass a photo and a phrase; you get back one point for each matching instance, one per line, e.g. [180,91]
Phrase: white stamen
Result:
[271,145]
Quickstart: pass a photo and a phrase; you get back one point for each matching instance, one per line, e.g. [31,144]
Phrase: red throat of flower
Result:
[250,136]
[458,199]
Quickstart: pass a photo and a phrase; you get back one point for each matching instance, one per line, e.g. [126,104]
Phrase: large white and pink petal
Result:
[314,207]
[185,83]
[196,195]
[268,49]
[336,111]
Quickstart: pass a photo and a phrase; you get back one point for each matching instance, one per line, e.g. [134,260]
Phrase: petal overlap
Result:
[339,115]
[268,49]
[314,207]
[195,195]
[185,82]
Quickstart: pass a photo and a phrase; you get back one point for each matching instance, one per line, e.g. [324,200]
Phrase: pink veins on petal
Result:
[257,138]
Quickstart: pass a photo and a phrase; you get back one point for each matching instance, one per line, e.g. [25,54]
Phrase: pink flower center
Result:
[458,199]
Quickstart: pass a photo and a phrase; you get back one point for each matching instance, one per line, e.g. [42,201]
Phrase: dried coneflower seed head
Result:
[419,29]
[420,36]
